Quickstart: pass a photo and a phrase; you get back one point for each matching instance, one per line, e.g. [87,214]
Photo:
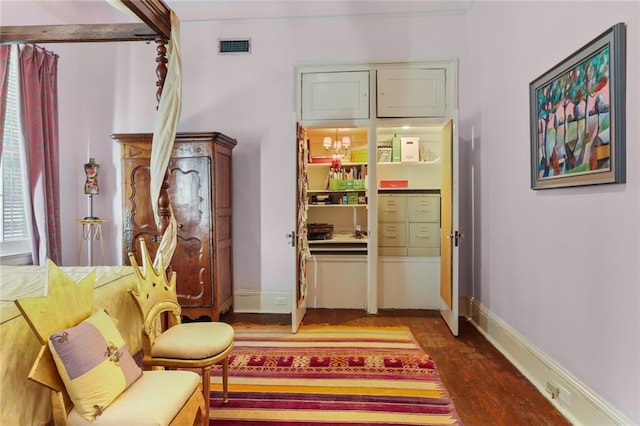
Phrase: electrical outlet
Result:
[554,389]
[281,301]
[564,396]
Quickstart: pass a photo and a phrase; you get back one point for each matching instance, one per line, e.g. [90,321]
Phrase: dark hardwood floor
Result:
[486,388]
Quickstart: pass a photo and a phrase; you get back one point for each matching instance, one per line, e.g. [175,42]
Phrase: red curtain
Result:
[39,108]
[4,82]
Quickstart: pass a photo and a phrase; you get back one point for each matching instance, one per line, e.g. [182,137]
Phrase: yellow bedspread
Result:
[23,402]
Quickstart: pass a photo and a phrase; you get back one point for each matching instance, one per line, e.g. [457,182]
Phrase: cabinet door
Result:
[411,92]
[189,190]
[191,203]
[335,95]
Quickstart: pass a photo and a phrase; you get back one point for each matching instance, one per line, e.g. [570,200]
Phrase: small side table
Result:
[91,231]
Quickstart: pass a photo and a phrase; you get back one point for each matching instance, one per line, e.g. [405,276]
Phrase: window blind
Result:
[14,227]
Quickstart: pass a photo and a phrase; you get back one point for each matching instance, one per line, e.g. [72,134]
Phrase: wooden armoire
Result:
[200,191]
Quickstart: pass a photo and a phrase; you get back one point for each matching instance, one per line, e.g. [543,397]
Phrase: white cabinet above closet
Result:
[335,95]
[411,92]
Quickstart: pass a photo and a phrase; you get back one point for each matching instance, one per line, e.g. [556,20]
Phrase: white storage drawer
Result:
[424,208]
[424,235]
[392,208]
[392,234]
[335,95]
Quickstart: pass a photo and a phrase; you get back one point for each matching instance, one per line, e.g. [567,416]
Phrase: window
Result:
[14,229]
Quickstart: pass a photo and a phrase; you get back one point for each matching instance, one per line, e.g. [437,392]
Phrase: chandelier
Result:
[337,148]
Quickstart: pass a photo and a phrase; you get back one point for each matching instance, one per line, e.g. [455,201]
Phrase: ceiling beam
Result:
[76,33]
[155,15]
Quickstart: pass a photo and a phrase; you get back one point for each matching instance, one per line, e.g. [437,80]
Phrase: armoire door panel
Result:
[224,278]
[193,271]
[222,170]
[142,213]
[190,198]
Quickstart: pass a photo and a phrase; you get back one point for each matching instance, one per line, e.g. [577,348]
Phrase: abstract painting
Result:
[578,116]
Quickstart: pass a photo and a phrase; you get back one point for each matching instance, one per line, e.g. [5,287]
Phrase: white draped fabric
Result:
[164,132]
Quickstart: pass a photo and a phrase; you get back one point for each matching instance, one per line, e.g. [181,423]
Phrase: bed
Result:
[23,402]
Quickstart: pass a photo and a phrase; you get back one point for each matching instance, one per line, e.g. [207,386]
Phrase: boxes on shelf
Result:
[394,184]
[347,184]
[342,184]
[352,198]
[321,199]
[321,160]
[385,154]
[319,231]
[359,155]
[410,149]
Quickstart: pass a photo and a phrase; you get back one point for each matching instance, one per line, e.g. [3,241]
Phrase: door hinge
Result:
[292,236]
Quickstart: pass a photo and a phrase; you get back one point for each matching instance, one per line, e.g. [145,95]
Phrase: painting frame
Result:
[574,145]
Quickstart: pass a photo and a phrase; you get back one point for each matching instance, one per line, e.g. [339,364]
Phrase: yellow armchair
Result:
[196,345]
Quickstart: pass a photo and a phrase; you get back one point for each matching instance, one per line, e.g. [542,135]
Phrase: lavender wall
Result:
[559,266]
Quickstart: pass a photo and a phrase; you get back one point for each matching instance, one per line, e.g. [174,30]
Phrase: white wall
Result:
[559,266]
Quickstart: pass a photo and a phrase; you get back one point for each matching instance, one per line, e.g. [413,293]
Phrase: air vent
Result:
[231,47]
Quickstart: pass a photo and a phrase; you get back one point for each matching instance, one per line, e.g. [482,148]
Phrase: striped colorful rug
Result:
[332,376]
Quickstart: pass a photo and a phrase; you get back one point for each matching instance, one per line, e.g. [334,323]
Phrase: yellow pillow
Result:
[94,363]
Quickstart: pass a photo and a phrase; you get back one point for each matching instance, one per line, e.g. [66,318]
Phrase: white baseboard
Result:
[581,406]
[259,302]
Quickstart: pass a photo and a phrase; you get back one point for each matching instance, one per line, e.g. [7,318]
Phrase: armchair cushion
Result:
[94,363]
[193,340]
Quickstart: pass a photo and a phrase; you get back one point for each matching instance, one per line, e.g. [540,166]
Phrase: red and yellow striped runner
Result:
[333,376]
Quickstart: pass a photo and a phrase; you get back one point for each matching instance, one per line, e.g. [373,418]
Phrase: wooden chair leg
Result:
[225,380]
[206,390]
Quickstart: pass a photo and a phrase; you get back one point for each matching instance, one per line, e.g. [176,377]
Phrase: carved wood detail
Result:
[163,204]
[161,68]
